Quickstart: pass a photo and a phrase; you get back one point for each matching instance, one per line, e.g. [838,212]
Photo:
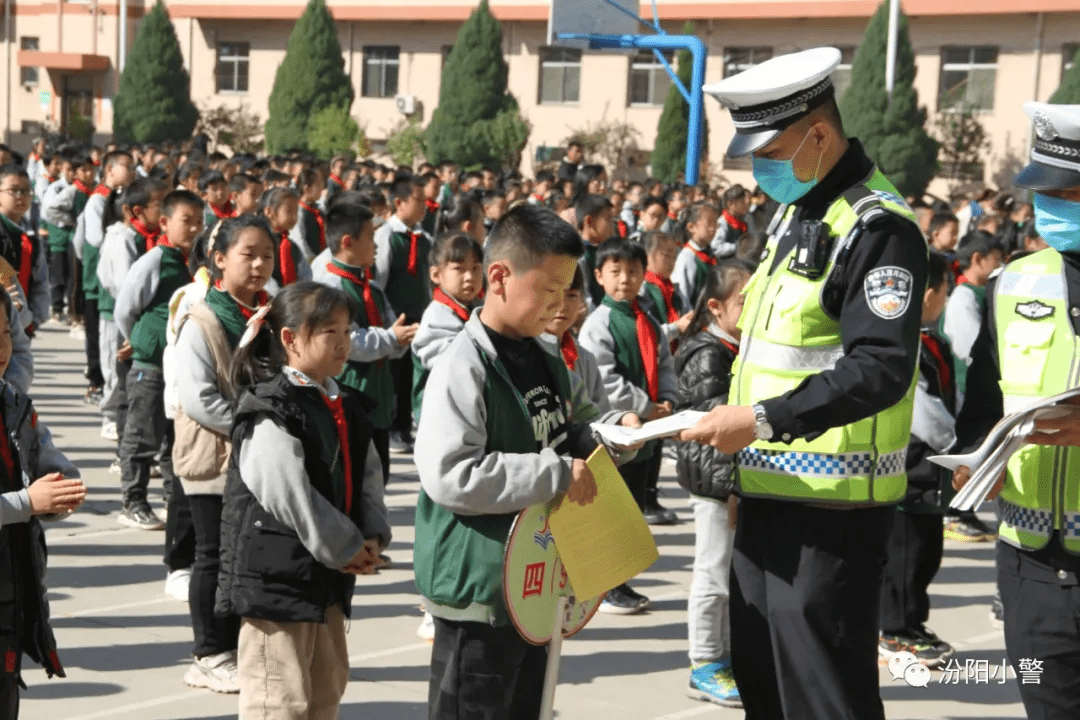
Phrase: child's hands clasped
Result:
[363,562]
[53,493]
[404,333]
[582,488]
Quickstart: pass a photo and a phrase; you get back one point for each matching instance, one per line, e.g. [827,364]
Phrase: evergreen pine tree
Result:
[1068,93]
[669,154]
[310,78]
[893,134]
[153,99]
[473,99]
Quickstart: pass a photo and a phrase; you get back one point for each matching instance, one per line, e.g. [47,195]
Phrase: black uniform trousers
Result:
[1040,592]
[916,544]
[402,372]
[805,591]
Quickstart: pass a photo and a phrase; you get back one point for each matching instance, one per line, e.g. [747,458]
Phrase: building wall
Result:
[422,33]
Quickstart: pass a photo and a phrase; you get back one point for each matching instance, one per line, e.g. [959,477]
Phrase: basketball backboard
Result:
[597,17]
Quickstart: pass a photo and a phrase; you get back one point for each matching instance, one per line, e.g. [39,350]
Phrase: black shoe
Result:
[657,515]
[623,601]
[401,443]
[928,648]
[967,527]
[997,612]
[140,517]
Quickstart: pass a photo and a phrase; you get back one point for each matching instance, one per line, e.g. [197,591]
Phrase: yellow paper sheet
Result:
[605,543]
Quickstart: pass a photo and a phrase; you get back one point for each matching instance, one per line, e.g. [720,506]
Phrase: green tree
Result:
[153,98]
[332,131]
[475,124]
[405,142]
[893,133]
[310,78]
[1068,93]
[668,157]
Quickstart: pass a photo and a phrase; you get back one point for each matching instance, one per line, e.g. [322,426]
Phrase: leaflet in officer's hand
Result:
[619,436]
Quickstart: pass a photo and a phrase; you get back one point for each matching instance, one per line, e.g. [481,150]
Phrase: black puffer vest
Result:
[266,572]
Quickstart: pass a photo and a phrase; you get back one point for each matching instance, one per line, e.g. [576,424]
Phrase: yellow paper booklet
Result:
[605,543]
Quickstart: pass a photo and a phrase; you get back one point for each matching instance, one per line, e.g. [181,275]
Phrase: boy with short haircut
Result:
[309,233]
[89,236]
[188,175]
[695,259]
[334,182]
[37,482]
[559,339]
[652,216]
[944,232]
[215,193]
[432,187]
[48,173]
[638,371]
[665,303]
[141,314]
[58,217]
[401,262]
[545,183]
[245,190]
[676,203]
[631,207]
[448,174]
[732,222]
[379,335]
[494,204]
[22,250]
[504,426]
[596,223]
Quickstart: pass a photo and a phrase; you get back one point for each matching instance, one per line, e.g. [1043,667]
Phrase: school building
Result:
[63,58]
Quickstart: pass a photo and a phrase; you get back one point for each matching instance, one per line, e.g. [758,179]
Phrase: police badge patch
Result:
[1034,310]
[888,291]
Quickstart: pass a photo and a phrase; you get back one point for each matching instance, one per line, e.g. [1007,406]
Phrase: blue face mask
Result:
[1058,222]
[777,177]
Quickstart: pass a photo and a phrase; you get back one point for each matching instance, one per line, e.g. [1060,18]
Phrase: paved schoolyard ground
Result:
[126,645]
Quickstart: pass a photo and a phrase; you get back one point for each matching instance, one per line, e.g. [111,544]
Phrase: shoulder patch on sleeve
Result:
[888,291]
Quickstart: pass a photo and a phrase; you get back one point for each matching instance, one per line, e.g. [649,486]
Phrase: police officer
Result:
[1029,348]
[821,398]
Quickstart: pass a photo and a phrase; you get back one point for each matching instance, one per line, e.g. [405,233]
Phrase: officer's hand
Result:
[963,473]
[728,428]
[1061,430]
[582,488]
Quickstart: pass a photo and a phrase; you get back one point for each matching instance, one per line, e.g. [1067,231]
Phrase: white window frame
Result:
[563,65]
[655,70]
[968,67]
[29,75]
[383,61]
[235,61]
[734,68]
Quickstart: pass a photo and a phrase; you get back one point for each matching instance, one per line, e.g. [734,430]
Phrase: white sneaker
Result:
[115,467]
[177,583]
[77,332]
[108,430]
[214,672]
[426,631]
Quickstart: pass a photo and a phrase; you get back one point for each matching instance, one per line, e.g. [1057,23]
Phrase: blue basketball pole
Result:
[693,94]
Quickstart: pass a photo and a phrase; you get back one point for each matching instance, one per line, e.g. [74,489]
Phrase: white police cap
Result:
[768,98]
[1055,148]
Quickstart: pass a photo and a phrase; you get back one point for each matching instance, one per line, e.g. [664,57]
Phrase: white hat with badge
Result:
[772,96]
[1055,148]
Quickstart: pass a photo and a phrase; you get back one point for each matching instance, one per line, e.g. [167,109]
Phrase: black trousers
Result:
[915,547]
[59,276]
[402,372]
[146,432]
[380,438]
[213,634]
[75,299]
[93,352]
[9,696]
[1040,592]
[480,672]
[805,587]
[120,399]
[179,528]
[652,477]
[636,476]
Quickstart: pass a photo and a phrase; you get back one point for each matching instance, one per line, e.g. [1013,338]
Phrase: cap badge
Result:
[1044,128]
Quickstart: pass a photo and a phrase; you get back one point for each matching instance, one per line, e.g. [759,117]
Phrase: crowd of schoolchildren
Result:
[263,332]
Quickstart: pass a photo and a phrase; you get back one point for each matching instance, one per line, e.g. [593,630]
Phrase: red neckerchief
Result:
[35,157]
[441,297]
[734,222]
[622,228]
[261,298]
[285,261]
[650,354]
[163,241]
[569,348]
[432,206]
[673,216]
[962,279]
[151,238]
[318,221]
[337,180]
[374,316]
[411,266]
[729,346]
[50,178]
[342,427]
[703,256]
[25,263]
[934,347]
[538,197]
[82,187]
[957,272]
[223,212]
[667,289]
[102,190]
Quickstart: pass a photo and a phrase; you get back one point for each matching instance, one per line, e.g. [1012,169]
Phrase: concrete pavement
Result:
[126,645]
